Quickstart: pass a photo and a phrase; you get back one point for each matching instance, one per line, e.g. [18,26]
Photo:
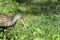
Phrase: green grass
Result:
[39,27]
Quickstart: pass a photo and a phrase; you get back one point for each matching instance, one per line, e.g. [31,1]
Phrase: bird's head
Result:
[21,18]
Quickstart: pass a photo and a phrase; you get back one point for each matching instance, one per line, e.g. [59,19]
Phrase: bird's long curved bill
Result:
[23,23]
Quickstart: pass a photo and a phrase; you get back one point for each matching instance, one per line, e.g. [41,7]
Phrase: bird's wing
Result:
[4,20]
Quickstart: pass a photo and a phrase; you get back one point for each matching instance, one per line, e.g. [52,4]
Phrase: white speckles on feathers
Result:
[4,20]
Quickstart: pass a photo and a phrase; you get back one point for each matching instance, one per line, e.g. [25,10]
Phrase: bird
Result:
[6,21]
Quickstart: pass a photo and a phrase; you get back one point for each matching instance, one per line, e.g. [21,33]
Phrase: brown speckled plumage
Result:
[4,20]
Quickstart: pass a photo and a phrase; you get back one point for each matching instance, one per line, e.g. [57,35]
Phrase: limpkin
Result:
[6,21]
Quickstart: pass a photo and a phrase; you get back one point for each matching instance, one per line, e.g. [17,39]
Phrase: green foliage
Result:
[7,6]
[40,18]
[41,27]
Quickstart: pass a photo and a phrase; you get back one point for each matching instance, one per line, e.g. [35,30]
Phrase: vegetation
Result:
[42,18]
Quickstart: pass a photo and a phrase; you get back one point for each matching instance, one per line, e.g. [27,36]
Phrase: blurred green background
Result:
[42,18]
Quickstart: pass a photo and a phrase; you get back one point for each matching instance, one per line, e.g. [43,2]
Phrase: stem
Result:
[4,36]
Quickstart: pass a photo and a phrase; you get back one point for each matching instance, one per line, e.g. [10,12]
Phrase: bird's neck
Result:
[12,22]
[15,19]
